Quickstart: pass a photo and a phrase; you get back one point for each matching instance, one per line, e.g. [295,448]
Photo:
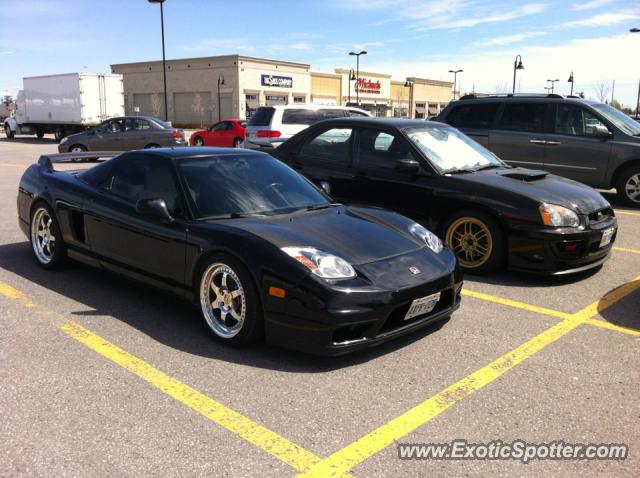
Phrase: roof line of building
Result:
[217,57]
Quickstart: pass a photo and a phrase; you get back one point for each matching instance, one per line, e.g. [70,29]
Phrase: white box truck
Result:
[65,104]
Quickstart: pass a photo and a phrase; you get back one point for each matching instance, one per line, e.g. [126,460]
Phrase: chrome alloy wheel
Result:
[632,188]
[42,239]
[223,300]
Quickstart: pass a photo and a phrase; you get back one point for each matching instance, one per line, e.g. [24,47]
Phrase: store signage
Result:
[364,85]
[279,81]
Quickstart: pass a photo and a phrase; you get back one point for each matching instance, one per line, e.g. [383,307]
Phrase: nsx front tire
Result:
[229,301]
[46,239]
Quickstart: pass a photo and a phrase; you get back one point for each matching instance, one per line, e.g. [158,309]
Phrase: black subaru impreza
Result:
[488,213]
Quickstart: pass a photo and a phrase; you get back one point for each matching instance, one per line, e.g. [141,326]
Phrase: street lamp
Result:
[220,82]
[409,84]
[455,77]
[570,80]
[553,82]
[352,77]
[517,65]
[164,63]
[357,55]
[637,30]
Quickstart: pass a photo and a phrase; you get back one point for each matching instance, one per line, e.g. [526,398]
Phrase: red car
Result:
[226,133]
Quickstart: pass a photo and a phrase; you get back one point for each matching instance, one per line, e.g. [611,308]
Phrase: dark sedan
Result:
[124,134]
[487,212]
[256,245]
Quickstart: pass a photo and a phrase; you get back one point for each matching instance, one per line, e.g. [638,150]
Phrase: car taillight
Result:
[176,133]
[268,134]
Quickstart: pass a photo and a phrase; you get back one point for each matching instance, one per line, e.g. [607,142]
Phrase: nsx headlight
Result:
[64,140]
[558,216]
[429,238]
[321,263]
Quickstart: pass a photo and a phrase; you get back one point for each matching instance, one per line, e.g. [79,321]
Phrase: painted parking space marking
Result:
[256,434]
[375,441]
[516,304]
[626,249]
[627,213]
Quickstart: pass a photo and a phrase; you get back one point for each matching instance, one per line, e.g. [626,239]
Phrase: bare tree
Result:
[500,87]
[602,89]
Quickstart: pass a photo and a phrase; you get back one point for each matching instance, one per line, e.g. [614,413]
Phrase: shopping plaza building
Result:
[203,90]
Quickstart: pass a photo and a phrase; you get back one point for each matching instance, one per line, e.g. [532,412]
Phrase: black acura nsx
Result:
[260,249]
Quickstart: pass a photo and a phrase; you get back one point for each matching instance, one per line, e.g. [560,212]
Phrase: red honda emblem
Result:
[414,270]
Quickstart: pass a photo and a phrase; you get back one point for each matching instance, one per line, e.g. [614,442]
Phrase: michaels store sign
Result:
[280,81]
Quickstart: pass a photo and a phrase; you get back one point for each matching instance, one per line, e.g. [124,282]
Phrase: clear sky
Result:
[423,38]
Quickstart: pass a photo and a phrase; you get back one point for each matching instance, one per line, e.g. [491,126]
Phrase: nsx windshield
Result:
[451,151]
[244,185]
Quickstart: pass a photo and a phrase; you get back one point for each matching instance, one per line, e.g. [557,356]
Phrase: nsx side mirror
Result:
[156,208]
[406,165]
[600,131]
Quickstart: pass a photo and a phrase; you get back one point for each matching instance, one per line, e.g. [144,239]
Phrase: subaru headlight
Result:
[558,216]
[64,140]
[429,238]
[322,264]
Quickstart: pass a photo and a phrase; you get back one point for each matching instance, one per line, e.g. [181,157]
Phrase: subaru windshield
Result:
[451,151]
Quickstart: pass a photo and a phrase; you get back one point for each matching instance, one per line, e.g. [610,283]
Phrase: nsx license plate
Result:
[422,306]
[607,234]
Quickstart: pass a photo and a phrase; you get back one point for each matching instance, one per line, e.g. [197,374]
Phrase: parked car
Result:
[253,243]
[270,126]
[228,133]
[488,213]
[579,139]
[123,134]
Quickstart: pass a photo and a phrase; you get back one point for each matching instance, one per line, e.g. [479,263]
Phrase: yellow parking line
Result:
[348,457]
[256,434]
[626,213]
[10,165]
[610,326]
[514,303]
[286,451]
[626,249]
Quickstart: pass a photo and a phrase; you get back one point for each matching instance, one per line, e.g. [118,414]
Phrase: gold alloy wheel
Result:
[471,241]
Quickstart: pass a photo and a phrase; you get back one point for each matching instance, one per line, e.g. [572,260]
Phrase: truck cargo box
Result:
[75,98]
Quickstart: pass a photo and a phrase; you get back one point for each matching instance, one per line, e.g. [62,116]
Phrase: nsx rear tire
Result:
[229,302]
[46,239]
[477,241]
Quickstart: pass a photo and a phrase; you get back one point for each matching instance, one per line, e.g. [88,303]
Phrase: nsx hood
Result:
[358,235]
[538,186]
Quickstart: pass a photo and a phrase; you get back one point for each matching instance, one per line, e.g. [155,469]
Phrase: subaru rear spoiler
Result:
[47,160]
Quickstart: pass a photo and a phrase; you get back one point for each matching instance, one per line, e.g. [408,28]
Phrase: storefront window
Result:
[298,99]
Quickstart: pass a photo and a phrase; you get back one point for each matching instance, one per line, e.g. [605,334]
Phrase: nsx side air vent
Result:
[524,174]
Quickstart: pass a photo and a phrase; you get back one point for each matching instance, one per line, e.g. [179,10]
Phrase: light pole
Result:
[517,65]
[220,82]
[455,78]
[164,62]
[357,55]
[352,77]
[570,80]
[637,30]
[409,84]
[553,82]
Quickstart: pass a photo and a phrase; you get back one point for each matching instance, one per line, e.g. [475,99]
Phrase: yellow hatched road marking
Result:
[350,456]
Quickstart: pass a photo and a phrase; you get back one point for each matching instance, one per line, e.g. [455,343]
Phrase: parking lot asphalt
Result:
[102,376]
